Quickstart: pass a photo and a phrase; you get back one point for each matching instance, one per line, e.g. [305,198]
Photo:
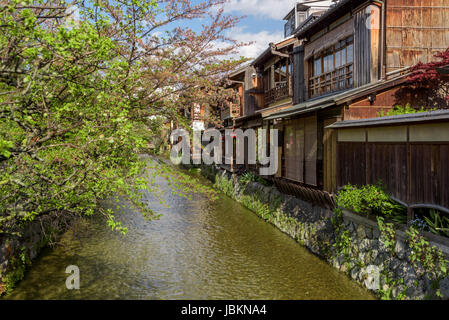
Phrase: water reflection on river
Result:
[198,250]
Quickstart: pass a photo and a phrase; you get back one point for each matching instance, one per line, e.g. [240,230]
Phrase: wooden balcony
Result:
[236,110]
[282,91]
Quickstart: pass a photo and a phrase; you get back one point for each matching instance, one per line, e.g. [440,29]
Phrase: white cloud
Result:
[275,9]
[261,41]
[271,9]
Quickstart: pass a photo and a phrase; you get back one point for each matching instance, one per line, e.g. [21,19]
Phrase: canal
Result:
[198,250]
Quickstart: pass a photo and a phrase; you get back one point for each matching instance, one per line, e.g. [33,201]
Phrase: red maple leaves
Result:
[427,74]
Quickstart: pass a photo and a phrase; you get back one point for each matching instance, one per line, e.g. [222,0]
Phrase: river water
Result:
[199,249]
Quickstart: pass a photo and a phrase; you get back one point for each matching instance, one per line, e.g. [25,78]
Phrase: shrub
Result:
[437,223]
[248,177]
[400,110]
[371,199]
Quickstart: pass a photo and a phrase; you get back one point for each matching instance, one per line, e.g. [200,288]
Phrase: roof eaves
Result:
[261,57]
[289,14]
[253,115]
[342,5]
[298,112]
[305,23]
[393,120]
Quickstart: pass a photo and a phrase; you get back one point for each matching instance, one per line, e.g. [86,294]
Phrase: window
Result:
[332,69]
[280,73]
[278,81]
[289,27]
[328,63]
[301,17]
[317,67]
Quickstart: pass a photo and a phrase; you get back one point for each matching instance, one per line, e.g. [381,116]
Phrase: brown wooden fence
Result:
[414,170]
[416,174]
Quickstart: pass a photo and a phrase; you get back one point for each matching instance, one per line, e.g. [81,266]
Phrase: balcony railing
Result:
[282,91]
[339,79]
[235,110]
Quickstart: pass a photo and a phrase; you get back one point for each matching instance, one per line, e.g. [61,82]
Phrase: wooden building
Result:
[242,111]
[345,63]
[302,14]
[275,68]
[348,64]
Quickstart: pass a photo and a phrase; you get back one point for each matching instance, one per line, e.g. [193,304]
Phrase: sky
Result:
[263,23]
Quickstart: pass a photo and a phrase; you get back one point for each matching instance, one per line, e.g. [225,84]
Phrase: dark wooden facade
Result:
[299,86]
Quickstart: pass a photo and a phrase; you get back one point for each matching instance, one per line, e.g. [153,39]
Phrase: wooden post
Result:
[409,178]
[410,214]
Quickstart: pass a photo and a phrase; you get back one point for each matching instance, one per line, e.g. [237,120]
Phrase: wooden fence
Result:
[410,160]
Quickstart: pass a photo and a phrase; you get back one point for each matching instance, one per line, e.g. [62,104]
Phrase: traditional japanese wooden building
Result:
[348,64]
[241,112]
[344,63]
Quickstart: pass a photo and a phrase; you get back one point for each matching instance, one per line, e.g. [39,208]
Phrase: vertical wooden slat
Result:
[330,144]
[310,150]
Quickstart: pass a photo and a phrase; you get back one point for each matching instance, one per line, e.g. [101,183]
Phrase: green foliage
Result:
[438,223]
[371,199]
[16,271]
[253,202]
[387,292]
[249,176]
[79,101]
[388,234]
[343,239]
[400,110]
[257,206]
[5,146]
[225,185]
[343,243]
[424,255]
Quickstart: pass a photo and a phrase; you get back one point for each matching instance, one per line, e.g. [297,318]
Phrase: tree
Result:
[76,80]
[426,86]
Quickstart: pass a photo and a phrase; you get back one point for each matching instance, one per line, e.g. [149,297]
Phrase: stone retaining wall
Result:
[17,252]
[368,260]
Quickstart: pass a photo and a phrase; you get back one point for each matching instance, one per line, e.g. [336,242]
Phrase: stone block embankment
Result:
[355,246]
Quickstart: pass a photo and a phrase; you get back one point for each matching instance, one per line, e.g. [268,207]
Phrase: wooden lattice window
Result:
[332,69]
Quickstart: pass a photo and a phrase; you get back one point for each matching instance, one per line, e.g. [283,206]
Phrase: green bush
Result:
[257,206]
[400,110]
[225,185]
[371,199]
[437,223]
[248,177]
